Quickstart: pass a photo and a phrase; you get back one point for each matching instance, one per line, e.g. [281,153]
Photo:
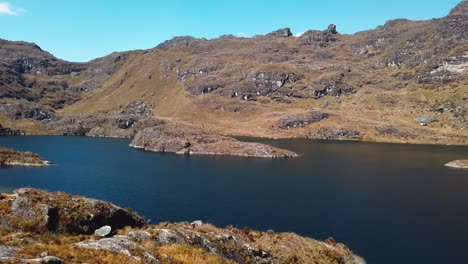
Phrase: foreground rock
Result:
[39,211]
[25,241]
[183,140]
[458,164]
[11,157]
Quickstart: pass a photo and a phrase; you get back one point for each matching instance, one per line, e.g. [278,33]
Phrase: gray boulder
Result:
[425,120]
[103,231]
[52,260]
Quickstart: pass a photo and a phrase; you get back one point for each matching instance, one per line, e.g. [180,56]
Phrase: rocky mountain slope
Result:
[405,81]
[42,227]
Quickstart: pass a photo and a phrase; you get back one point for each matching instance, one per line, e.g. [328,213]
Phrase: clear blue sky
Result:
[80,30]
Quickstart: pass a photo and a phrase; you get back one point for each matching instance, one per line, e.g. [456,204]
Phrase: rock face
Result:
[179,139]
[24,240]
[39,211]
[458,164]
[11,157]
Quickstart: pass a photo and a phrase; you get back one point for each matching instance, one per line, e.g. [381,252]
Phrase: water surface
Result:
[389,203]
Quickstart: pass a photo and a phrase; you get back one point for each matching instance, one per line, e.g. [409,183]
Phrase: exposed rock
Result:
[139,108]
[316,38]
[337,133]
[11,157]
[393,130]
[425,120]
[301,119]
[60,212]
[52,260]
[458,164]
[4,131]
[7,252]
[117,244]
[23,109]
[120,126]
[103,231]
[280,33]
[332,29]
[149,243]
[182,140]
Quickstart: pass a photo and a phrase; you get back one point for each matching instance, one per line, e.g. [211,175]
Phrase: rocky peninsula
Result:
[11,157]
[44,227]
[458,164]
[182,140]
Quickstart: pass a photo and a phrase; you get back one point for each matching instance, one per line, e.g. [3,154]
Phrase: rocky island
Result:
[44,227]
[458,164]
[11,157]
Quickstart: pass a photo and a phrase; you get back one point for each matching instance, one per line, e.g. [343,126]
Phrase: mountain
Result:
[405,81]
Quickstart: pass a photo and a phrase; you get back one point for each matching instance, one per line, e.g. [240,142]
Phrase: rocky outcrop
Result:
[178,42]
[5,131]
[301,119]
[138,108]
[173,138]
[280,33]
[119,126]
[39,211]
[24,214]
[316,38]
[337,133]
[458,164]
[11,157]
[18,109]
[395,131]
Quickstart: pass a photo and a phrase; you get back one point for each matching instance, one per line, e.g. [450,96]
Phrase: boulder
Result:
[425,120]
[103,231]
[52,260]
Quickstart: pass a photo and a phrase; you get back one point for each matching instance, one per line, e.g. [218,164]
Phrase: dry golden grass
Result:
[72,254]
[185,254]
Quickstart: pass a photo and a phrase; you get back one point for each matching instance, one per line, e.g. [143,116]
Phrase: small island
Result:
[458,164]
[11,157]
[44,227]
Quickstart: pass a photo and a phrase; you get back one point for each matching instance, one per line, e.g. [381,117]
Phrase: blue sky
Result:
[80,30]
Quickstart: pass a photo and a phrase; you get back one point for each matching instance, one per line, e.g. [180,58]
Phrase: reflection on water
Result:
[387,202]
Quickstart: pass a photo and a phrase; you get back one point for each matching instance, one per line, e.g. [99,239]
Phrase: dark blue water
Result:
[389,203]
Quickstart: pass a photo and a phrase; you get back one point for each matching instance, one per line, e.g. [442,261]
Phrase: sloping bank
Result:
[42,227]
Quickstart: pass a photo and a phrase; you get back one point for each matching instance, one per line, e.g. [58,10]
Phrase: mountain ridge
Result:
[374,85]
